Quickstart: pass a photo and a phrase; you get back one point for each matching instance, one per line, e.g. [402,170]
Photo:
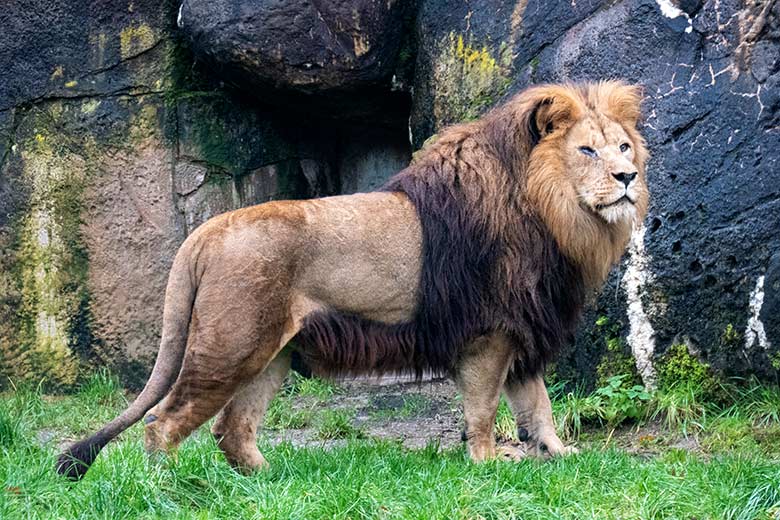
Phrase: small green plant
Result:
[27,397]
[615,360]
[729,433]
[311,387]
[730,337]
[534,63]
[414,406]
[506,425]
[774,360]
[678,366]
[614,403]
[10,427]
[602,321]
[679,406]
[337,424]
[574,410]
[622,401]
[761,403]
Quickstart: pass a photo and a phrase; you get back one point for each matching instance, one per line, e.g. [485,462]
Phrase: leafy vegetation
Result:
[678,367]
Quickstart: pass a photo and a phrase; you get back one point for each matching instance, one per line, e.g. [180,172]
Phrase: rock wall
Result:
[115,146]
[124,125]
[703,270]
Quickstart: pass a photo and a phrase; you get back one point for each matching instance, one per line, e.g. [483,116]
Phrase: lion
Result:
[473,262]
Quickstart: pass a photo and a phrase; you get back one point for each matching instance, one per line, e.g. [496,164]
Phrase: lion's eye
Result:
[587,150]
[624,147]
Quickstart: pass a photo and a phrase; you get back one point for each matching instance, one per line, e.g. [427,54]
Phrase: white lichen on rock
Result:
[641,336]
[669,10]
[754,332]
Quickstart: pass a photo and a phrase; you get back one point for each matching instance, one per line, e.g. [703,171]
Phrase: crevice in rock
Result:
[676,132]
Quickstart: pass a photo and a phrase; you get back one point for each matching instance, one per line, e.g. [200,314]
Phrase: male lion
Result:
[474,261]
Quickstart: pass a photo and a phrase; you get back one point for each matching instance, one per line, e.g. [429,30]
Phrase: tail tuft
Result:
[74,462]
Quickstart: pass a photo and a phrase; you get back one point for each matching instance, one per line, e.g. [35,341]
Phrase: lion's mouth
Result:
[624,198]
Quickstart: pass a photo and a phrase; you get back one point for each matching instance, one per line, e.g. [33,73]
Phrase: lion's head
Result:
[586,167]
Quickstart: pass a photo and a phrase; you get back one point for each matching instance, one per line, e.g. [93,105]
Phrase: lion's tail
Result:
[179,297]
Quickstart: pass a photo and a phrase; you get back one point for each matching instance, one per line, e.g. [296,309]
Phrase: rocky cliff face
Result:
[124,125]
[703,269]
[115,145]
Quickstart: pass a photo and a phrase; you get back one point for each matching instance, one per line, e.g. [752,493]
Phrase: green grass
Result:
[102,389]
[310,387]
[282,415]
[337,424]
[735,474]
[295,406]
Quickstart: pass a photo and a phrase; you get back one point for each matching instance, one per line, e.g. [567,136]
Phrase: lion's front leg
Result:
[479,376]
[535,425]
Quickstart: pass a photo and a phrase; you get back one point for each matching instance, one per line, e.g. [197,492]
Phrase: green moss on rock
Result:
[677,366]
[468,78]
[47,280]
[616,361]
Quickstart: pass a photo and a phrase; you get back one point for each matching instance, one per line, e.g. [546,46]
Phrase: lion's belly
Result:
[362,256]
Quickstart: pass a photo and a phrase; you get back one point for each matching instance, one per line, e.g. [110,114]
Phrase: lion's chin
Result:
[621,212]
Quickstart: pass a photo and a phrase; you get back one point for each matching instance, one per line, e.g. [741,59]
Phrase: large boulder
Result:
[87,225]
[703,270]
[299,46]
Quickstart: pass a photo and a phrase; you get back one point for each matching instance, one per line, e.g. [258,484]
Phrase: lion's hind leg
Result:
[236,426]
[480,375]
[225,349]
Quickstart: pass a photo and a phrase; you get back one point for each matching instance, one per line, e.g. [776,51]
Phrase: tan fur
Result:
[237,423]
[256,273]
[480,376]
[533,412]
[260,271]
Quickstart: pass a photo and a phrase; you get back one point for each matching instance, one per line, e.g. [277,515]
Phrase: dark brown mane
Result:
[489,264]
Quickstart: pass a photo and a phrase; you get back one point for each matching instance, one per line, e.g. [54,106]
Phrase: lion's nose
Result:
[624,177]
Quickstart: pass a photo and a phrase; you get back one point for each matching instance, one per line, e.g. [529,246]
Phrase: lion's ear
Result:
[555,110]
[624,102]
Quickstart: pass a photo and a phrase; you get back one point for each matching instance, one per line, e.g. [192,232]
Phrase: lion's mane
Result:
[490,260]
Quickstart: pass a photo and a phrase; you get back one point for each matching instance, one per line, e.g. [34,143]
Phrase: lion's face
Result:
[586,168]
[600,157]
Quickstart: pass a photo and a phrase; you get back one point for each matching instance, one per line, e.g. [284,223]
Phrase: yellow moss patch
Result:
[469,77]
[144,123]
[58,72]
[90,106]
[98,49]
[135,40]
[480,58]
[47,300]
[47,277]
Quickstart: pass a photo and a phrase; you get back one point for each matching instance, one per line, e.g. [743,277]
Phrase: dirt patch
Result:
[412,414]
[418,414]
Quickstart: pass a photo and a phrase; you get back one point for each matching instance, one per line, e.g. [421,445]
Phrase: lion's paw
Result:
[549,445]
[511,452]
